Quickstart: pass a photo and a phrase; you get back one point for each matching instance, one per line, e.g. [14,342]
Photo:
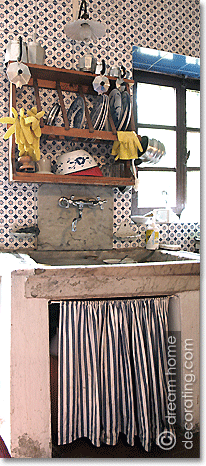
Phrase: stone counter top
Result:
[111,281]
[105,281]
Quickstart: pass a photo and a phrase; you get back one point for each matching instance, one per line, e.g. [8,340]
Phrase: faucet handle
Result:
[101,202]
[64,202]
[80,204]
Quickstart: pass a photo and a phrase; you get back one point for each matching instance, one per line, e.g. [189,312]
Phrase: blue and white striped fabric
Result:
[112,370]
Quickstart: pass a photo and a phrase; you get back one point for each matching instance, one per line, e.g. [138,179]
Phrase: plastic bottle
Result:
[152,235]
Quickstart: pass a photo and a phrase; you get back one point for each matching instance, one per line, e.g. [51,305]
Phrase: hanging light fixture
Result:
[36,53]
[84,29]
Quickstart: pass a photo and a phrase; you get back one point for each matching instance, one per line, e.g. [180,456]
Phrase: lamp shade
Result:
[85,30]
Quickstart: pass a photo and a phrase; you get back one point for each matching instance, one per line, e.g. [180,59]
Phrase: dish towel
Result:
[113,371]
[126,148]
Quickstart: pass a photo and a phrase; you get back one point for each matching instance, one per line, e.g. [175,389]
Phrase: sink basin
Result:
[109,257]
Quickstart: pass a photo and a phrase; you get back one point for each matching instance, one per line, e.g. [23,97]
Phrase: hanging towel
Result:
[113,370]
[126,148]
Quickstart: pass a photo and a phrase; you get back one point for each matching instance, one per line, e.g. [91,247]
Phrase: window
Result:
[167,108]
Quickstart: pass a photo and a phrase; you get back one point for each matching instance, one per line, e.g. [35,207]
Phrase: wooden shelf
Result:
[72,179]
[47,76]
[72,81]
[55,131]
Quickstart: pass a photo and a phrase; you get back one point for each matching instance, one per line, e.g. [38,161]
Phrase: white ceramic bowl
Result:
[77,160]
[140,219]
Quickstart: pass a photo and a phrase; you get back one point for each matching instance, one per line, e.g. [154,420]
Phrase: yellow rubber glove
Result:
[127,146]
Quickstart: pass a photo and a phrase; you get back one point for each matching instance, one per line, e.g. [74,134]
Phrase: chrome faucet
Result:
[80,204]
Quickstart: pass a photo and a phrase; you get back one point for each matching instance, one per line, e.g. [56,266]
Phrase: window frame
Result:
[180,83]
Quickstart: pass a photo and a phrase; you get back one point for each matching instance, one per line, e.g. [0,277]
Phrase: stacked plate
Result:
[52,115]
[99,112]
[120,107]
[115,104]
[76,113]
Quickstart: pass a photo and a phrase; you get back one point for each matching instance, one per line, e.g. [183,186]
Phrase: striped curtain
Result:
[112,371]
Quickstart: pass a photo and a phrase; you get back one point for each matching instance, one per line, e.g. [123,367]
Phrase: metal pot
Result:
[119,72]
[115,72]
[87,63]
[155,150]
[16,51]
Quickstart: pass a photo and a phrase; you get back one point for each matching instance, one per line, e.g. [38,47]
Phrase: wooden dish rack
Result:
[79,82]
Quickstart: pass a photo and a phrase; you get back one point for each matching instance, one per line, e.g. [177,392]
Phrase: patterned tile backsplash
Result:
[162,24]
[181,234]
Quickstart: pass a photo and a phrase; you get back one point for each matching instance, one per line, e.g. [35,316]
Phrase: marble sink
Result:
[110,257]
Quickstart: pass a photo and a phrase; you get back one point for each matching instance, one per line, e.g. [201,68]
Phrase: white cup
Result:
[44,165]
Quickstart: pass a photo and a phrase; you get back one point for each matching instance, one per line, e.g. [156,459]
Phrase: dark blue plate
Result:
[125,112]
[76,113]
[115,103]
[105,113]
[97,111]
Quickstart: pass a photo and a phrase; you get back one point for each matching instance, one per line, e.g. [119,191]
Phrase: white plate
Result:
[170,247]
[126,260]
[112,261]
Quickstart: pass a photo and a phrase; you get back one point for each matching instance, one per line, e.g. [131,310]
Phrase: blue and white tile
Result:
[149,23]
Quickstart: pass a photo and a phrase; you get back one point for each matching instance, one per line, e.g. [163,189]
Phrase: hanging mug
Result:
[100,67]
[16,51]
[87,63]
